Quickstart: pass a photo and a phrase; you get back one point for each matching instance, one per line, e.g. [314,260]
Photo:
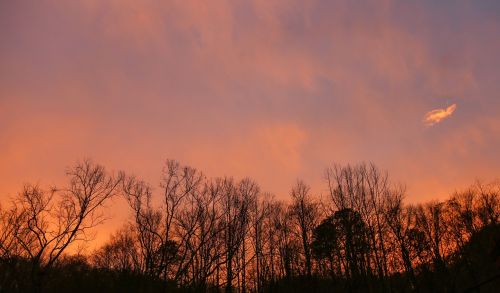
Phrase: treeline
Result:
[196,233]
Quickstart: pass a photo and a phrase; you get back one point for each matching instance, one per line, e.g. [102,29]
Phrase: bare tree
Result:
[260,222]
[11,221]
[488,203]
[248,190]
[120,253]
[235,220]
[148,224]
[400,219]
[429,220]
[363,188]
[305,212]
[287,245]
[56,219]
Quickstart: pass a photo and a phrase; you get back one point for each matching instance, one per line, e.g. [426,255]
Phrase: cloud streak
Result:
[438,115]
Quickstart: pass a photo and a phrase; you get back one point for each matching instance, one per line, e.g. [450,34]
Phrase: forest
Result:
[192,233]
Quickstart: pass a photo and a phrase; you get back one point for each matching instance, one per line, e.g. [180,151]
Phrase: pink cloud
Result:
[437,115]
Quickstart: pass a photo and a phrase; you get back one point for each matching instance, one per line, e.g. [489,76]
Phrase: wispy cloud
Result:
[437,115]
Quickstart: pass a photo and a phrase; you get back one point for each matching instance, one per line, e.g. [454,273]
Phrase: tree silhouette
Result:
[204,234]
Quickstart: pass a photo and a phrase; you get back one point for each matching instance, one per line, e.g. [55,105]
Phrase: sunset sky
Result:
[273,90]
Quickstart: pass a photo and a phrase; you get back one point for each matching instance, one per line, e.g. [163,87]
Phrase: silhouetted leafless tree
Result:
[48,222]
[305,213]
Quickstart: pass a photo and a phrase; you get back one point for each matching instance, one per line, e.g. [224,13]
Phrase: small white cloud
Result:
[437,115]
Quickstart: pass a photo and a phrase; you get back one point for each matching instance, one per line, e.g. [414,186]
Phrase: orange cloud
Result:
[437,115]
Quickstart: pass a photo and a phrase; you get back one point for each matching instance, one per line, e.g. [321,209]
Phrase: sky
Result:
[272,90]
